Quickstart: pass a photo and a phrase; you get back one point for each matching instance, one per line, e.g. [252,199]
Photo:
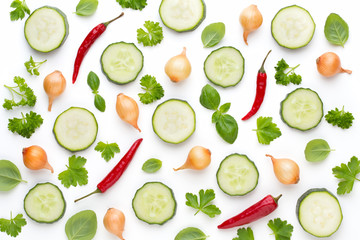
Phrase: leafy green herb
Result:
[153,90]
[212,34]
[26,125]
[347,175]
[33,67]
[107,150]
[81,226]
[75,173]
[285,74]
[191,233]
[266,130]
[134,4]
[336,30]
[227,128]
[10,175]
[205,198]
[209,98]
[12,227]
[244,234]
[153,34]
[317,150]
[21,90]
[281,229]
[94,83]
[152,165]
[340,118]
[100,103]
[86,7]
[20,9]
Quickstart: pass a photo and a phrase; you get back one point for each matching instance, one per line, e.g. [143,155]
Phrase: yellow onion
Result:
[178,68]
[198,159]
[35,158]
[54,85]
[128,110]
[286,170]
[114,222]
[329,64]
[250,19]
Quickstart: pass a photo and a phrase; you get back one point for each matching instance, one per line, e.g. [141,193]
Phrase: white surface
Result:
[340,90]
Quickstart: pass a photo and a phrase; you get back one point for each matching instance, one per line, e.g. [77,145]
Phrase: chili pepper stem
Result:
[108,22]
[262,70]
[96,191]
[276,199]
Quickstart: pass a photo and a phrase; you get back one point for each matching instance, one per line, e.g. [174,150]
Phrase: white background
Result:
[335,92]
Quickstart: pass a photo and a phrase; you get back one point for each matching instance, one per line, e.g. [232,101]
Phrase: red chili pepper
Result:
[260,209]
[117,171]
[94,34]
[260,90]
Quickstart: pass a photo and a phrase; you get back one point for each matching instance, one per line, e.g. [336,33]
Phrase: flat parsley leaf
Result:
[205,198]
[21,90]
[75,173]
[339,118]
[107,150]
[13,226]
[266,130]
[244,234]
[26,125]
[153,35]
[283,77]
[347,175]
[154,91]
[33,67]
[20,9]
[281,229]
[134,4]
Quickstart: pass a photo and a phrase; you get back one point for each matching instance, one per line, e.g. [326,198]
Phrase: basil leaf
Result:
[317,150]
[191,233]
[10,175]
[216,116]
[225,107]
[81,226]
[99,103]
[152,165]
[336,30]
[93,81]
[86,7]
[212,34]
[209,97]
[227,128]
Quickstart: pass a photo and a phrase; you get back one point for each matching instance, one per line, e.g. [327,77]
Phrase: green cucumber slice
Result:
[154,203]
[237,175]
[224,66]
[121,62]
[46,29]
[45,203]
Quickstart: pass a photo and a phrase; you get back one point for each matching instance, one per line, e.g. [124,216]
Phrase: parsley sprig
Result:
[339,118]
[266,130]
[153,90]
[285,74]
[26,125]
[281,229]
[204,205]
[20,10]
[244,234]
[75,174]
[153,34]
[33,67]
[134,4]
[347,174]
[12,226]
[21,90]
[107,150]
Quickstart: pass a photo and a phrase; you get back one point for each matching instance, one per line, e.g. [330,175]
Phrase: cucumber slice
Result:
[75,129]
[154,203]
[46,29]
[319,212]
[45,203]
[174,121]
[237,175]
[293,27]
[182,15]
[224,66]
[121,62]
[302,109]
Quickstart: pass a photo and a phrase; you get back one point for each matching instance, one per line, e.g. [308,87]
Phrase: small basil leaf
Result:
[212,34]
[317,150]
[216,116]
[225,107]
[93,81]
[152,165]
[99,103]
[81,226]
[191,233]
[209,97]
[227,128]
[86,7]
[336,30]
[10,175]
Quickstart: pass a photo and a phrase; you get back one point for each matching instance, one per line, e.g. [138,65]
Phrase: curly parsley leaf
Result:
[75,173]
[244,234]
[285,74]
[20,10]
[340,118]
[205,198]
[26,125]
[281,229]
[33,67]
[266,130]
[347,175]
[153,90]
[153,35]
[21,90]
[134,4]
[107,150]
[13,226]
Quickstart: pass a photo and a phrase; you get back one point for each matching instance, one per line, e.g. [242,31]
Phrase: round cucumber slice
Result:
[224,66]
[45,203]
[293,27]
[121,62]
[174,121]
[46,29]
[154,203]
[237,175]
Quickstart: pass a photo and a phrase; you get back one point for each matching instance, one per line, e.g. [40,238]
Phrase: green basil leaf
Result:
[152,165]
[93,81]
[336,30]
[99,103]
[209,97]
[10,175]
[212,34]
[216,116]
[317,150]
[225,107]
[86,7]
[227,128]
[81,226]
[191,233]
